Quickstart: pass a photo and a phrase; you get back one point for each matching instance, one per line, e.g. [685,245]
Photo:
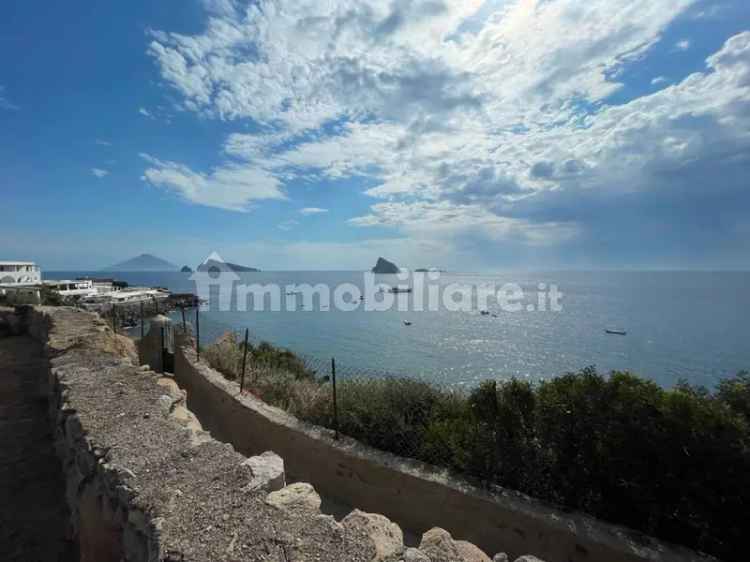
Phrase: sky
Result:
[308,134]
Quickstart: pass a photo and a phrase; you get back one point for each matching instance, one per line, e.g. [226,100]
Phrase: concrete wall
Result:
[414,495]
[150,345]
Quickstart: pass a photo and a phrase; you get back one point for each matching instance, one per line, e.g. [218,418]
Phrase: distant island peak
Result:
[385,266]
[219,264]
[143,262]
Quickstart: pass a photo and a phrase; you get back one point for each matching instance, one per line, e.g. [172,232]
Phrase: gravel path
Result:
[32,506]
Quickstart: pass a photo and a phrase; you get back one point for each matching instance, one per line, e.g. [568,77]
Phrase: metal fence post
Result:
[162,350]
[141,319]
[198,332]
[184,324]
[114,318]
[244,361]
[335,402]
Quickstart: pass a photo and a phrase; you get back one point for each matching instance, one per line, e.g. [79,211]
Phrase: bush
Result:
[50,297]
[673,463]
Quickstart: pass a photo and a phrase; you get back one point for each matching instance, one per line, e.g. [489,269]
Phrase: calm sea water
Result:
[691,325]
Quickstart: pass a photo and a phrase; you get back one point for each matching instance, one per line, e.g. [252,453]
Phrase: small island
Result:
[224,265]
[385,266]
[186,269]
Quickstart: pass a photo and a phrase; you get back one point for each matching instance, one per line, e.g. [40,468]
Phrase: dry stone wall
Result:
[146,483]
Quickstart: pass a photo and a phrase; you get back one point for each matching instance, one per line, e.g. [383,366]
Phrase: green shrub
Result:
[673,463]
[50,297]
[735,393]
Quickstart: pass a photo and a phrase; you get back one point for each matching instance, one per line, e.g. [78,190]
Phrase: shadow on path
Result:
[33,515]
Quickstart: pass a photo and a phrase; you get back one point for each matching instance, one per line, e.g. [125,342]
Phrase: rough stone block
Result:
[415,555]
[267,472]
[300,496]
[470,552]
[439,545]
[385,535]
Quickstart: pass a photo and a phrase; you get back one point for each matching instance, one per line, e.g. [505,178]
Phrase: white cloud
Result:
[99,173]
[658,80]
[312,211]
[232,188]
[288,224]
[145,112]
[5,103]
[467,117]
[102,142]
[682,45]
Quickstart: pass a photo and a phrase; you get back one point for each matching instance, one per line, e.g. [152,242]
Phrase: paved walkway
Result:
[32,506]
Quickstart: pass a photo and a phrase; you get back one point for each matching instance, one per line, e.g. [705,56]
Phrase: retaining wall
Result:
[144,483]
[416,496]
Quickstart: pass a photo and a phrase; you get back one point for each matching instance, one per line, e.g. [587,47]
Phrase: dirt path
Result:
[32,506]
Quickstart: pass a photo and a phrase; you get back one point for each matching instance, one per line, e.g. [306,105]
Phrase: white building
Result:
[69,288]
[19,273]
[102,285]
[128,296]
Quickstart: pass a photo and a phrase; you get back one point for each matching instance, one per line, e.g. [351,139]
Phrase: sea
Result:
[680,325]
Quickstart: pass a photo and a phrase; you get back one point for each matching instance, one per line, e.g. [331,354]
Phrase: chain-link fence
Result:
[401,415]
[582,440]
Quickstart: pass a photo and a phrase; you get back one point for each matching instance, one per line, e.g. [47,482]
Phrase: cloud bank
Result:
[488,122]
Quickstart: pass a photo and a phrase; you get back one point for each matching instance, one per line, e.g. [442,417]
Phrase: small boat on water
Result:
[400,290]
[616,332]
[407,322]
[484,312]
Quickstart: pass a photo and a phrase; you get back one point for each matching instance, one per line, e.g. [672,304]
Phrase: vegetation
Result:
[673,463]
[50,297]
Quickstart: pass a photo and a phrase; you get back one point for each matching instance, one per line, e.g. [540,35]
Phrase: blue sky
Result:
[296,134]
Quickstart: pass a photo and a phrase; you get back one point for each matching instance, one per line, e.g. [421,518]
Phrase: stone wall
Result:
[415,495]
[146,483]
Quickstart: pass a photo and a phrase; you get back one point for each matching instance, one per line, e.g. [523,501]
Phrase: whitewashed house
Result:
[20,273]
[19,282]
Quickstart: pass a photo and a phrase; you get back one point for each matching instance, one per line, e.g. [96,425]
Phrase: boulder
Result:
[438,545]
[297,496]
[267,472]
[186,418]
[500,557]
[528,558]
[385,535]
[414,555]
[470,552]
[165,404]
[171,388]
